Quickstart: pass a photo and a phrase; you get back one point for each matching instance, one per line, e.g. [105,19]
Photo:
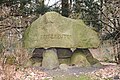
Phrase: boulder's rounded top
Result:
[51,16]
[52,13]
[54,30]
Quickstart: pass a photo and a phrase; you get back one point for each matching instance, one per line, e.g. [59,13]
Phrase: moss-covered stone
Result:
[50,59]
[83,57]
[79,59]
[64,67]
[90,57]
[54,30]
[92,60]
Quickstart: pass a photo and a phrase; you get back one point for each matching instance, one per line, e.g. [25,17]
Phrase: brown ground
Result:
[13,72]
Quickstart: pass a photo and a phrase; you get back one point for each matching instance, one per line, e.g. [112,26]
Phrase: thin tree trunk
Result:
[65,8]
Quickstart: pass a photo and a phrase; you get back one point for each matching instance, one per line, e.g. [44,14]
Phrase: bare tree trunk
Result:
[65,8]
[41,2]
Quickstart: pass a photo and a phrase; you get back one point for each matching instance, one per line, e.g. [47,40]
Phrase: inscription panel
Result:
[55,36]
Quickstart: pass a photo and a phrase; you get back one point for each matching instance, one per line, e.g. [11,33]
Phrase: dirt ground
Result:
[71,71]
[106,72]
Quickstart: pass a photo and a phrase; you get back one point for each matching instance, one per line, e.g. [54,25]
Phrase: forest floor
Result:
[13,72]
[106,72]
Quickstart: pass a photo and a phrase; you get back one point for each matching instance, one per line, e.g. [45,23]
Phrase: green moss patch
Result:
[69,77]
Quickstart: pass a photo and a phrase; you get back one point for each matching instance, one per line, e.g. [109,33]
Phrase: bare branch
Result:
[108,25]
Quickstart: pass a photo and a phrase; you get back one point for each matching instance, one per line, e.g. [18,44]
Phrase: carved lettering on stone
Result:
[55,36]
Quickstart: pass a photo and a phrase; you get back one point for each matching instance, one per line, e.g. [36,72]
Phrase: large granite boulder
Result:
[54,30]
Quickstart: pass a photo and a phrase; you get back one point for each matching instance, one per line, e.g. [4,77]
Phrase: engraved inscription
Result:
[55,36]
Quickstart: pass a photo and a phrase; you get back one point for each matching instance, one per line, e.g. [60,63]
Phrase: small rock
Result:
[64,67]
[97,65]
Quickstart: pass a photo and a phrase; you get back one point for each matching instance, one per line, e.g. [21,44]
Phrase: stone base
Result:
[50,59]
